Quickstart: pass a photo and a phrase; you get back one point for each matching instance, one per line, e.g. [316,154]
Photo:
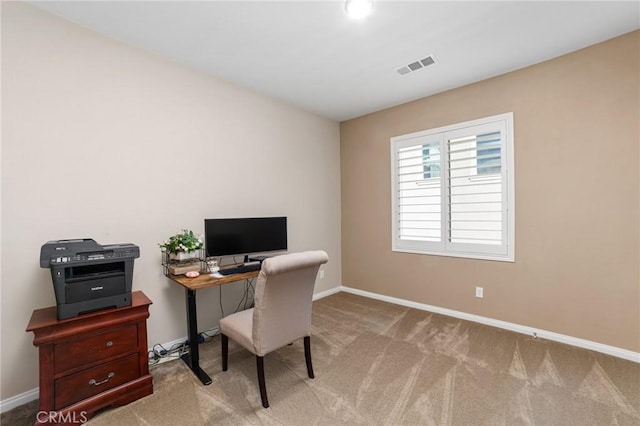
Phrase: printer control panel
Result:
[81,257]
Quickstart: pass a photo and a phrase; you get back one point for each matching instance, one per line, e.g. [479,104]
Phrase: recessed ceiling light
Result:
[358,9]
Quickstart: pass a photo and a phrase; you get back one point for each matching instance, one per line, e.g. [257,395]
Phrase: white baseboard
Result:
[33,394]
[544,334]
[18,400]
[30,395]
[327,293]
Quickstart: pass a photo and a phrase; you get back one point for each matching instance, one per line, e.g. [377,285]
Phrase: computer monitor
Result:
[245,236]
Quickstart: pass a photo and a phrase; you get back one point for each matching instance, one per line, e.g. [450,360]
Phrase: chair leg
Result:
[307,355]
[263,387]
[225,351]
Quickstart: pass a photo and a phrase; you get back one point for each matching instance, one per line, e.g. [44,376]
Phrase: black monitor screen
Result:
[227,237]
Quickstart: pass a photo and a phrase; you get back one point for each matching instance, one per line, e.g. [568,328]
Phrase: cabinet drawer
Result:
[95,347]
[84,384]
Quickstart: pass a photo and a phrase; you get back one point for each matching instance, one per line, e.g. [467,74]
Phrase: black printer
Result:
[88,276]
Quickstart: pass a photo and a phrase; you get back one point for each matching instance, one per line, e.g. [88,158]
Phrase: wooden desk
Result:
[204,280]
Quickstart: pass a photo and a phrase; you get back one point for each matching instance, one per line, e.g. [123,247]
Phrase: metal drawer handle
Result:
[109,376]
[109,343]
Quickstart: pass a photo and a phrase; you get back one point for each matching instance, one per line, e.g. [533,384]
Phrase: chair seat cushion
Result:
[239,328]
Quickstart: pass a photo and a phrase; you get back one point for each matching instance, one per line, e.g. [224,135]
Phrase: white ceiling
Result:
[310,54]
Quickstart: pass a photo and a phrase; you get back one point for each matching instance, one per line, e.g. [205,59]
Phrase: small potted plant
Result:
[182,246]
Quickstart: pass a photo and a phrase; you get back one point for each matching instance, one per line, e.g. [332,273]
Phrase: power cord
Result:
[220,301]
[158,352]
[206,337]
[247,295]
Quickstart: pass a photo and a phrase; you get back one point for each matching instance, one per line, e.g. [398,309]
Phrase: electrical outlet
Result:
[479,292]
[321,274]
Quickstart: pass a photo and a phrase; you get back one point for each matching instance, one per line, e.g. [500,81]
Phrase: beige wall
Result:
[105,141]
[576,121]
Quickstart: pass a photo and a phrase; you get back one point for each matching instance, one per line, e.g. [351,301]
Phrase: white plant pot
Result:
[183,255]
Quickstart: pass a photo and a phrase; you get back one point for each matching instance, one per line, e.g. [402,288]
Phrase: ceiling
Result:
[312,55]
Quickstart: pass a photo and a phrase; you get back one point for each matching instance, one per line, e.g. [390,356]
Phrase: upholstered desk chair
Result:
[281,313]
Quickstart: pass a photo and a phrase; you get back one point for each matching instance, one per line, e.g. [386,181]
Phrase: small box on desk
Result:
[183,268]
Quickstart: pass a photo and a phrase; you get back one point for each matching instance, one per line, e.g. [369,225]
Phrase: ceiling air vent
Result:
[416,65]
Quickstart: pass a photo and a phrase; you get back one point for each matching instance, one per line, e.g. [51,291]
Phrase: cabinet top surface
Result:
[47,317]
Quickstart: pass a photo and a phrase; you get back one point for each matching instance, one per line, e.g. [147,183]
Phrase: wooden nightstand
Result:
[91,361]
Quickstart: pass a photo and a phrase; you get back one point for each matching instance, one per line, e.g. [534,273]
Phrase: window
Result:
[431,161]
[453,190]
[488,154]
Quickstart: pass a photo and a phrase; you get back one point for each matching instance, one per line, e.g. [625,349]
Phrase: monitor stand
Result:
[252,260]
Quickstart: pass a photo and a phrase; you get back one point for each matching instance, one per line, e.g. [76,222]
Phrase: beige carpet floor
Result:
[383,364]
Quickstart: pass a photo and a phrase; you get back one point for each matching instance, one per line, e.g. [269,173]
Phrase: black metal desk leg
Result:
[192,359]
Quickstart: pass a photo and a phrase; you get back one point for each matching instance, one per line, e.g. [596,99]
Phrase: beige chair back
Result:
[283,298]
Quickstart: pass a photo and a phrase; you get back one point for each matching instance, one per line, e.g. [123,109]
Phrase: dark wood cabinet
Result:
[91,361]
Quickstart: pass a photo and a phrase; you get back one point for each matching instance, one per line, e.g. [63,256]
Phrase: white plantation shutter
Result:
[453,190]
[419,191]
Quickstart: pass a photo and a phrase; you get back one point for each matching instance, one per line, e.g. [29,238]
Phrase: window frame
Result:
[504,252]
